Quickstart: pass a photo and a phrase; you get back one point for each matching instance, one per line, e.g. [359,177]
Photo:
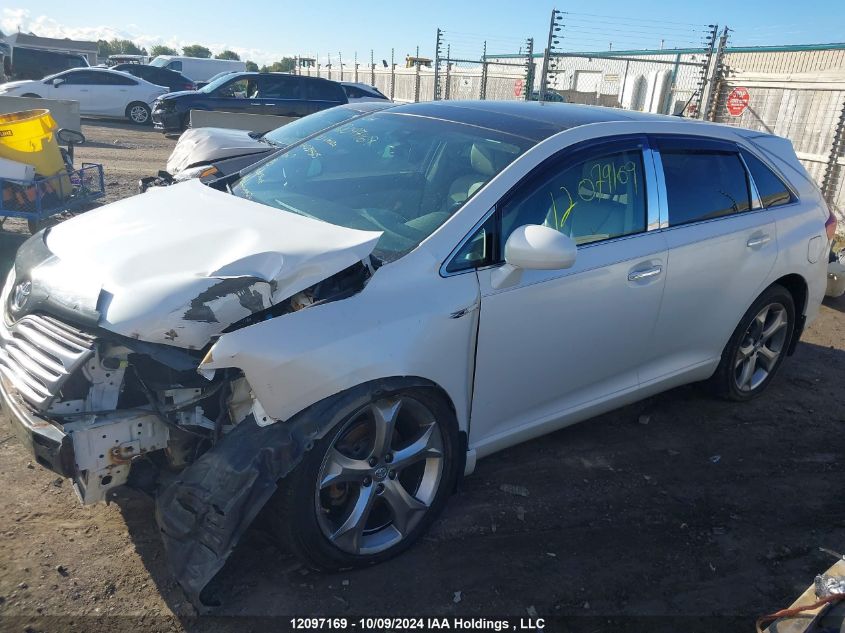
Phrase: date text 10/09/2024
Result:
[422,624]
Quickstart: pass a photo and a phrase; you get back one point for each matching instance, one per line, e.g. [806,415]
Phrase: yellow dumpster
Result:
[29,137]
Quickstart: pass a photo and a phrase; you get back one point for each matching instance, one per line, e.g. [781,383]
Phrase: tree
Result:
[125,47]
[104,49]
[227,54]
[285,65]
[161,49]
[251,66]
[196,50]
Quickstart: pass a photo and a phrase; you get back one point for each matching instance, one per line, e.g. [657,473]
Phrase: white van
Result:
[198,68]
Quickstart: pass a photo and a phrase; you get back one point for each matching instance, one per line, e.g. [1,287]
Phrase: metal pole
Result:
[667,100]
[437,65]
[624,81]
[545,74]
[448,71]
[483,92]
[392,75]
[705,69]
[718,76]
[833,170]
[372,69]
[355,58]
[340,63]
[528,89]
[417,76]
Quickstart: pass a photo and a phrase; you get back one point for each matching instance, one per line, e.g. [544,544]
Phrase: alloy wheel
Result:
[380,476]
[138,114]
[761,347]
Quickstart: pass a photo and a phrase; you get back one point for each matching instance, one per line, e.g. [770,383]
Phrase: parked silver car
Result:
[344,329]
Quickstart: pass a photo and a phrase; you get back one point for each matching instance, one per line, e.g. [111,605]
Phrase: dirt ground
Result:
[678,506]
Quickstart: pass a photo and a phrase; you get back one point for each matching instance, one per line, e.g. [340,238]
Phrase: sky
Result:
[265,30]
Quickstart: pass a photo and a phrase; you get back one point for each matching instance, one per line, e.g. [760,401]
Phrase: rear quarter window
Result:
[325,91]
[773,192]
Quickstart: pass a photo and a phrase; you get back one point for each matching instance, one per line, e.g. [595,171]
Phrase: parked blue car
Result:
[280,94]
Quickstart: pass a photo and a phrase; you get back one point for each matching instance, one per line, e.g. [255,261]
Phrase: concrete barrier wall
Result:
[237,121]
[66,113]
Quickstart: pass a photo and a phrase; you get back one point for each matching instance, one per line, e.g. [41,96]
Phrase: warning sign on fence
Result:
[738,101]
[518,86]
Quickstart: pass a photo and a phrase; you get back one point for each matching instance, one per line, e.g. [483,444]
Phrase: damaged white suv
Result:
[346,327]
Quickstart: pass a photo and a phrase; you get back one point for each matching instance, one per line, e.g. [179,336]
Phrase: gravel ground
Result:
[678,506]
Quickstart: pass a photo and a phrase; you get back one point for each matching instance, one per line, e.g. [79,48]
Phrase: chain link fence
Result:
[806,108]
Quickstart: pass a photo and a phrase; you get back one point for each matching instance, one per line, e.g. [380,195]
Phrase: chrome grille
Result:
[39,353]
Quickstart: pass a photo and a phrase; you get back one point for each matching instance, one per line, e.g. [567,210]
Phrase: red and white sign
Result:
[738,101]
[518,87]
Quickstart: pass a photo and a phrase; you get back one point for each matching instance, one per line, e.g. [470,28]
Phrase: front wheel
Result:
[139,113]
[757,347]
[372,485]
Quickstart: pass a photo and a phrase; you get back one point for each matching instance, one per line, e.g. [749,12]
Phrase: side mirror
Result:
[537,247]
[58,81]
[534,247]
[68,137]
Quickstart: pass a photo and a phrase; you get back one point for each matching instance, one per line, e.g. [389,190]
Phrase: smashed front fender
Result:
[203,514]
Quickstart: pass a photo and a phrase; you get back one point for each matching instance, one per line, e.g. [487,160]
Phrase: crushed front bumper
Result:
[50,446]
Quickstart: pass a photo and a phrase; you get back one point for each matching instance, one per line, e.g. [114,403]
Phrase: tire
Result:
[757,347]
[394,505]
[139,113]
[33,226]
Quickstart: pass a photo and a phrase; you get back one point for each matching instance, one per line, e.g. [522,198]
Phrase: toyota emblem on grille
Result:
[22,292]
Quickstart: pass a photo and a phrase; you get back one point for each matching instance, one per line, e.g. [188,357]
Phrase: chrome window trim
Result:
[756,201]
[654,208]
[663,199]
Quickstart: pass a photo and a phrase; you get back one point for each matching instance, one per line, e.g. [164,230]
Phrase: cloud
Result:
[12,20]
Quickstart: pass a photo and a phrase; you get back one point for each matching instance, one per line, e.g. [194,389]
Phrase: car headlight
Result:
[201,171]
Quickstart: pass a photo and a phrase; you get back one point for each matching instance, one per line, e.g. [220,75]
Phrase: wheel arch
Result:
[799,289]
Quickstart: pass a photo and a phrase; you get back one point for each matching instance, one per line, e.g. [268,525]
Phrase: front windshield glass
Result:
[214,84]
[300,129]
[159,62]
[399,174]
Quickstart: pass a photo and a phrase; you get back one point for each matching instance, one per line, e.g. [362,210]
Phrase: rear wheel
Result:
[372,485]
[139,113]
[757,347]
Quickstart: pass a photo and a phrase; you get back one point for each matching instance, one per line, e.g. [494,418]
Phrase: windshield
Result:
[399,174]
[300,129]
[214,84]
[159,62]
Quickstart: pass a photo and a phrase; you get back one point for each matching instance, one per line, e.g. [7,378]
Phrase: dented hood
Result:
[179,264]
[203,145]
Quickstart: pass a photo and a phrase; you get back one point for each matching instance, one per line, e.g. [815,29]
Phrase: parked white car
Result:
[99,91]
[362,92]
[354,321]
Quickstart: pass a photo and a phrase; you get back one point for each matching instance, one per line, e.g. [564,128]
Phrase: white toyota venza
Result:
[343,329]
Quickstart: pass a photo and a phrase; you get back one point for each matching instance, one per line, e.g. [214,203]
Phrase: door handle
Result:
[646,273]
[758,241]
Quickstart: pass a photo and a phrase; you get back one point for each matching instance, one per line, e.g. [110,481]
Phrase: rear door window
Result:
[771,188]
[280,88]
[703,183]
